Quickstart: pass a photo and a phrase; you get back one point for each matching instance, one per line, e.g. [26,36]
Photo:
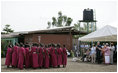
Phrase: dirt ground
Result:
[71,67]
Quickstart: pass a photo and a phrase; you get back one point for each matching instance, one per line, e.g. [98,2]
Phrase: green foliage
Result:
[61,20]
[7,29]
[4,44]
[69,21]
[77,36]
[3,33]
[49,24]
[2,55]
[79,28]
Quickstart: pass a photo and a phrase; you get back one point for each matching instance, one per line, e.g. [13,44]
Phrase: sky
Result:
[34,15]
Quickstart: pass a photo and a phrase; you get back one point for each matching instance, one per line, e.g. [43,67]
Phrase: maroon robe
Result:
[50,52]
[64,57]
[30,58]
[8,57]
[46,59]
[21,58]
[40,57]
[59,56]
[35,57]
[15,56]
[54,57]
[27,60]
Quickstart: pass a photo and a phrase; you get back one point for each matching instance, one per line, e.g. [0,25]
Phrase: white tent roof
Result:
[107,33]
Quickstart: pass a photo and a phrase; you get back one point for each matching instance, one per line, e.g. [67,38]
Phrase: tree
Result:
[91,27]
[69,21]
[49,24]
[7,29]
[77,26]
[60,21]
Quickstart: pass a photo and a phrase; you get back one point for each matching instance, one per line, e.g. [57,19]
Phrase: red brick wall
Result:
[52,38]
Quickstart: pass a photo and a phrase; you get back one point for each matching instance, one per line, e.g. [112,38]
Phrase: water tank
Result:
[88,15]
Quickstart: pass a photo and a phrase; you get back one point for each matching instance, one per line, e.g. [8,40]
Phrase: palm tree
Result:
[49,24]
[54,21]
[69,21]
[60,21]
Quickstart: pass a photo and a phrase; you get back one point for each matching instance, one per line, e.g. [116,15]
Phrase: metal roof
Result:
[56,30]
[67,28]
[14,34]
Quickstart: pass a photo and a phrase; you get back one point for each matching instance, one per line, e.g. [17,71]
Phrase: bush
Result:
[2,55]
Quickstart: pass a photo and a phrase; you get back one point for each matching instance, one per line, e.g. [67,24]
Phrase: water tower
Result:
[89,18]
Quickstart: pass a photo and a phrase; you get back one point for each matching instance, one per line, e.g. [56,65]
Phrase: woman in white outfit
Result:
[107,54]
[93,54]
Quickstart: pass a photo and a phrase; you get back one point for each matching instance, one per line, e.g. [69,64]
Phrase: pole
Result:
[88,27]
[95,26]
[95,18]
[91,26]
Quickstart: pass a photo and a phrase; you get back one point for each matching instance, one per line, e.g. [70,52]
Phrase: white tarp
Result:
[107,33]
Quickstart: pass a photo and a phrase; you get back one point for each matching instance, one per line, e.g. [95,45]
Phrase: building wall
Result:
[51,38]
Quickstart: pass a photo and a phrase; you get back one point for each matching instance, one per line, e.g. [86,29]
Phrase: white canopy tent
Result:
[107,33]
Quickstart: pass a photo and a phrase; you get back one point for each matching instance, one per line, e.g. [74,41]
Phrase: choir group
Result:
[36,56]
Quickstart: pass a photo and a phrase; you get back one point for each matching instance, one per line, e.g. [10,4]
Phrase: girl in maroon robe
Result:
[41,51]
[46,58]
[59,56]
[50,52]
[21,57]
[64,56]
[15,55]
[54,56]
[30,57]
[8,60]
[35,56]
[27,60]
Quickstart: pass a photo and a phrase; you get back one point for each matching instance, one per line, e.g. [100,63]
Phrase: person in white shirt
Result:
[112,48]
[93,54]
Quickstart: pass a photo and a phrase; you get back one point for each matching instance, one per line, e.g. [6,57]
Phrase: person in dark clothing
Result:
[98,52]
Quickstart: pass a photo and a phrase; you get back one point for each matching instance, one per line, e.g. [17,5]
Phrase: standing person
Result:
[50,52]
[21,56]
[77,53]
[64,57]
[103,45]
[54,56]
[98,52]
[59,56]
[46,58]
[112,48]
[86,46]
[102,50]
[27,60]
[115,53]
[8,60]
[72,54]
[30,55]
[88,54]
[41,54]
[93,54]
[34,56]
[15,55]
[75,49]
[82,49]
[107,54]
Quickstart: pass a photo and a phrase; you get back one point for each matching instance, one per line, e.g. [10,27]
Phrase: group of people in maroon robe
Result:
[36,56]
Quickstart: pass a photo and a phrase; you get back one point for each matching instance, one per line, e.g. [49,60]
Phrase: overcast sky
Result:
[33,15]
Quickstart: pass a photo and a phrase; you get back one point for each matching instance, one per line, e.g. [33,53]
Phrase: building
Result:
[61,35]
